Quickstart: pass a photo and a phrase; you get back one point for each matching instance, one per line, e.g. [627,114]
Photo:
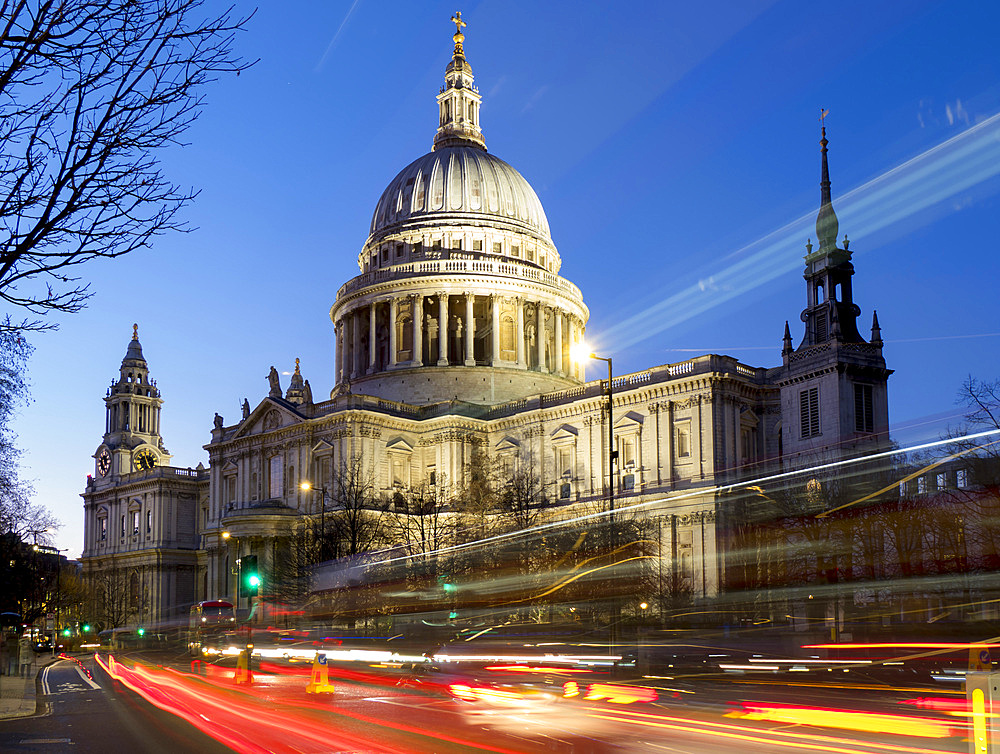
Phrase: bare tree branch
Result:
[89,91]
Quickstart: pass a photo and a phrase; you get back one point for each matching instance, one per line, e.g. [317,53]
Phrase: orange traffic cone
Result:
[319,679]
[243,672]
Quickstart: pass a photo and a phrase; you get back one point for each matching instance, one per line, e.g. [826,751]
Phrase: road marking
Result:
[47,741]
[79,669]
[45,680]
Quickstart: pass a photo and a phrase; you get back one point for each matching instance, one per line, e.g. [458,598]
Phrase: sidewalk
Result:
[17,695]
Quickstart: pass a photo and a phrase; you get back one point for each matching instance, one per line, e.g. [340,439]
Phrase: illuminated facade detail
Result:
[145,562]
[455,337]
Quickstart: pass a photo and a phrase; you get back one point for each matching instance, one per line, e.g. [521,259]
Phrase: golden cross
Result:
[457,20]
[135,332]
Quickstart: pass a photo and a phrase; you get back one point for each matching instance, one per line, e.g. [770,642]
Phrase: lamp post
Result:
[236,589]
[580,352]
[307,485]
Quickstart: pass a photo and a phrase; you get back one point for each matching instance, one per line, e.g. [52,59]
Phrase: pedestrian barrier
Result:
[319,679]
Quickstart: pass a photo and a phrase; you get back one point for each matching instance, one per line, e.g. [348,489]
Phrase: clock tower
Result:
[132,439]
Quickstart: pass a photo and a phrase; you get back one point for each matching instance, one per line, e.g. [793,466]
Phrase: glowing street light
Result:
[580,351]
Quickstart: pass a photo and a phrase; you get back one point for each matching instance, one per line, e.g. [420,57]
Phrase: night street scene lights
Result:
[306,486]
[579,352]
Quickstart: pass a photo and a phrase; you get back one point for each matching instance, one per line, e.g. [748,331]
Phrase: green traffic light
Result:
[254,580]
[66,632]
[86,627]
[141,632]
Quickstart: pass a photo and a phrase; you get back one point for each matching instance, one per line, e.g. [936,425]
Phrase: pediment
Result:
[565,432]
[230,467]
[269,415]
[322,446]
[399,445]
[749,418]
[508,444]
[630,420]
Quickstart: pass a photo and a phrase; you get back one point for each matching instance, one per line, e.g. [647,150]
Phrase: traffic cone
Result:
[319,679]
[243,672]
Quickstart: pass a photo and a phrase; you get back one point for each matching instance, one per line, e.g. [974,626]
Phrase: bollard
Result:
[319,679]
[982,690]
[244,674]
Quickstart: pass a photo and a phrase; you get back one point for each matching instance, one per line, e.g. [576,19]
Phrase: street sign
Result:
[50,622]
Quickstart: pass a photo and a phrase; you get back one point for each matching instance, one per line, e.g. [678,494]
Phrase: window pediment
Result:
[630,422]
[399,445]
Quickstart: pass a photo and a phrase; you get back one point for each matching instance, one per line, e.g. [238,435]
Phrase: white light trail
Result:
[903,192]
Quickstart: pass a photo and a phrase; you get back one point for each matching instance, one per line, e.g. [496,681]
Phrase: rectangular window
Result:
[135,522]
[123,525]
[149,522]
[436,245]
[477,245]
[864,415]
[564,462]
[457,243]
[399,250]
[821,327]
[277,485]
[921,485]
[104,528]
[961,479]
[497,247]
[626,452]
[683,444]
[418,248]
[809,412]
[942,481]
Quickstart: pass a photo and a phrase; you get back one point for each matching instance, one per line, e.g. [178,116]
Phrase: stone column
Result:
[540,337]
[470,330]
[495,308]
[372,346]
[418,329]
[442,297]
[393,314]
[356,345]
[557,315]
[519,332]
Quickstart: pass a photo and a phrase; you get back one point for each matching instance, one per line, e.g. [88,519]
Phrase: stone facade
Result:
[458,335]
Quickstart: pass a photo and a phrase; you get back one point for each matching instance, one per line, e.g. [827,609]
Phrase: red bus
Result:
[208,624]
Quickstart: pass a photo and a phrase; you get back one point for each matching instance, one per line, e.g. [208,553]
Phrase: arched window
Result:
[507,333]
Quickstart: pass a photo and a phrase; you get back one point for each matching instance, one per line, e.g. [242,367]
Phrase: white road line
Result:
[86,680]
[45,680]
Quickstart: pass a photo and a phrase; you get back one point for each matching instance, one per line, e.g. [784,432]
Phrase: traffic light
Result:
[85,627]
[141,632]
[250,575]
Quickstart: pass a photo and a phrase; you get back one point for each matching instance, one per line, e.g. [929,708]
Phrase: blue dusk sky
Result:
[674,147]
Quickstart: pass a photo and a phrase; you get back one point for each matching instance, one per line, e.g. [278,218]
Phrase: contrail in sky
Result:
[941,172]
[333,41]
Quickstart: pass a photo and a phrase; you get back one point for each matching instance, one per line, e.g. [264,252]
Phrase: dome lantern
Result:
[459,100]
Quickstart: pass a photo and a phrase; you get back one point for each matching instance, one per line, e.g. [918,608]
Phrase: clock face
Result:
[144,460]
[104,462]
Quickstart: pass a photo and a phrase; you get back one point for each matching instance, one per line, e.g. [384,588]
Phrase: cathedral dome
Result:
[462,185]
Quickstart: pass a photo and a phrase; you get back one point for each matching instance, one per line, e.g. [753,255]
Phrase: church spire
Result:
[459,100]
[826,221]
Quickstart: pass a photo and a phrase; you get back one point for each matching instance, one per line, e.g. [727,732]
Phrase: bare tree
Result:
[357,523]
[89,91]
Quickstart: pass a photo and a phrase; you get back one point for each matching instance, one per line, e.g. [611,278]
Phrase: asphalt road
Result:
[369,714]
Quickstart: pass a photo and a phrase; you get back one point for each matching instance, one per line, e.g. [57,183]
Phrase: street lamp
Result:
[306,485]
[236,589]
[581,351]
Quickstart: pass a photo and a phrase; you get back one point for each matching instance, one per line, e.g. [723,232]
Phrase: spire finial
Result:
[297,367]
[135,331]
[459,36]
[826,222]
[786,341]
